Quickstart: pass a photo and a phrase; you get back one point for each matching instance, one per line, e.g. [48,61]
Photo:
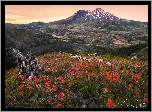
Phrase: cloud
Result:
[36,16]
[9,19]
[18,14]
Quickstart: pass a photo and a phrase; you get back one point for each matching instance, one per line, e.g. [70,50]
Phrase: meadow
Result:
[81,81]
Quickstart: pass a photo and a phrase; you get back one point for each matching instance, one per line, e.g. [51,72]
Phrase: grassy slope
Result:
[84,91]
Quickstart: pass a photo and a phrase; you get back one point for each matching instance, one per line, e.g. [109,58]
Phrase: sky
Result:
[24,14]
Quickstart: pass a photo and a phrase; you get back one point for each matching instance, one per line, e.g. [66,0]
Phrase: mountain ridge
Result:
[98,15]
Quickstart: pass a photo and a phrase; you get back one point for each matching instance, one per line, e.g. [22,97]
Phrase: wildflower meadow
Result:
[80,81]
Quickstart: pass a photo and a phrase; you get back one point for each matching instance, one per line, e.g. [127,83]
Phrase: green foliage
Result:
[9,58]
[122,51]
[79,41]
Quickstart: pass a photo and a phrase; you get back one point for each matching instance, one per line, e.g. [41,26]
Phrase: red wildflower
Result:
[11,104]
[105,90]
[110,103]
[58,105]
[46,78]
[95,62]
[115,76]
[75,68]
[136,93]
[78,75]
[54,88]
[30,88]
[82,63]
[145,100]
[35,78]
[102,62]
[88,76]
[69,84]
[60,78]
[63,81]
[136,76]
[130,85]
[21,93]
[72,72]
[21,86]
[60,95]
[92,72]
[21,76]
[108,76]
[47,83]
[28,79]
[117,67]
[86,66]
[105,75]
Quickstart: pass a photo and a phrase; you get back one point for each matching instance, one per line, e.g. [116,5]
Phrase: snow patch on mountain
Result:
[100,14]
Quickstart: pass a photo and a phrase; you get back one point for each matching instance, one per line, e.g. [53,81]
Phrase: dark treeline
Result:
[122,51]
[56,47]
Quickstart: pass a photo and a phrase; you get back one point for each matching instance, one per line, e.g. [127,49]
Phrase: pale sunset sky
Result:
[24,14]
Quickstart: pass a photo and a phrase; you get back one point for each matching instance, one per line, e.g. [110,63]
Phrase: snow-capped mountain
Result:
[87,15]
[100,14]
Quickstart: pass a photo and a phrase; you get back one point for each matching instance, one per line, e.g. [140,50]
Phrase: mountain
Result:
[98,15]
